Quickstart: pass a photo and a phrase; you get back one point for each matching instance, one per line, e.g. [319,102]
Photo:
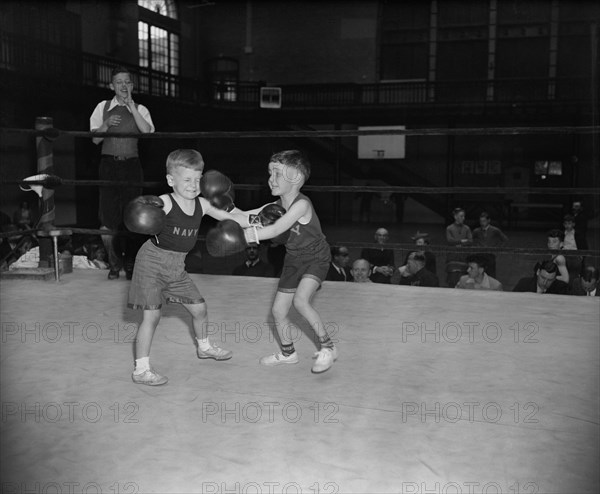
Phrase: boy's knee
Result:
[278,313]
[300,303]
[198,310]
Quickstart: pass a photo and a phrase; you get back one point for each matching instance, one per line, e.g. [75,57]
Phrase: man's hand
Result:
[384,270]
[112,121]
[129,99]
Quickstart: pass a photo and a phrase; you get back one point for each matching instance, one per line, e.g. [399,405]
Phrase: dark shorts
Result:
[159,274]
[313,265]
[114,199]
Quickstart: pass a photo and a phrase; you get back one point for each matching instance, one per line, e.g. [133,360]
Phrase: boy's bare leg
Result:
[302,302]
[280,310]
[145,333]
[327,354]
[199,315]
[143,373]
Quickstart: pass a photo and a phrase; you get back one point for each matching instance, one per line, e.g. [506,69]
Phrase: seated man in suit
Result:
[381,259]
[586,284]
[253,265]
[476,277]
[544,281]
[338,268]
[416,274]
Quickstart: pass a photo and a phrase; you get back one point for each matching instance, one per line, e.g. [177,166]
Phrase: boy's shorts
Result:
[313,265]
[161,273]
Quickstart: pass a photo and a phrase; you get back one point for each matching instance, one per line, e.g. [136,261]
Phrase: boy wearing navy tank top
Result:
[160,264]
[306,260]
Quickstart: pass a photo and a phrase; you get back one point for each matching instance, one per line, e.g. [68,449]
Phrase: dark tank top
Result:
[181,230]
[306,239]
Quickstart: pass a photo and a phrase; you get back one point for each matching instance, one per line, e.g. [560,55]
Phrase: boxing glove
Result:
[218,190]
[145,215]
[267,215]
[226,238]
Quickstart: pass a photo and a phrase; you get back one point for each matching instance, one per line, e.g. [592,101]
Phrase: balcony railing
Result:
[22,55]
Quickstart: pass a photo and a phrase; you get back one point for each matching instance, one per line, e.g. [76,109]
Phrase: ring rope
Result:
[436,248]
[53,133]
[53,181]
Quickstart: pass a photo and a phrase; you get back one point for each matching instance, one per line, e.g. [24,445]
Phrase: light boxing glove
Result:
[145,215]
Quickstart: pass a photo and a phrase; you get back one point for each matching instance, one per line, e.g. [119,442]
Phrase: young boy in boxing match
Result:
[307,256]
[174,220]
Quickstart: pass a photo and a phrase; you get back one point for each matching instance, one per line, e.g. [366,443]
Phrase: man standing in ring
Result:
[119,162]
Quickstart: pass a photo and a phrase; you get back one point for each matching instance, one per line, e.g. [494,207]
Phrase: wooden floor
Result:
[435,390]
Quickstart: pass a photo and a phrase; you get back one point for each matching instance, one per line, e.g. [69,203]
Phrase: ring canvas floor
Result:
[435,390]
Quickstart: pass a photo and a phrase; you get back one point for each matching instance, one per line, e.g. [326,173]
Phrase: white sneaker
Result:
[279,358]
[214,352]
[325,359]
[149,377]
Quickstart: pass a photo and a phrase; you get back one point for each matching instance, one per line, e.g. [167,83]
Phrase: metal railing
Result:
[25,56]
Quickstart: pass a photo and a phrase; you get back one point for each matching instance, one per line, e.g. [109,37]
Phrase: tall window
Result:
[158,39]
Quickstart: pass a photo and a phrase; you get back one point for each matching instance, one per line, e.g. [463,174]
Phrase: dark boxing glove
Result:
[217,189]
[227,238]
[267,215]
[145,215]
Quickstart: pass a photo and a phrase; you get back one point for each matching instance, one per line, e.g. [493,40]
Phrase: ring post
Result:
[47,213]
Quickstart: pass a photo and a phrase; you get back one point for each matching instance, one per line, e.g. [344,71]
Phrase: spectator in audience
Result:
[381,259]
[338,268]
[487,235]
[361,269]
[421,239]
[574,239]
[476,277]
[457,235]
[586,284]
[416,274]
[581,217]
[545,280]
[555,242]
[254,265]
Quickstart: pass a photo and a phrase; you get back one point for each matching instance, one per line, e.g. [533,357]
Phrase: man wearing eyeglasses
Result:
[381,259]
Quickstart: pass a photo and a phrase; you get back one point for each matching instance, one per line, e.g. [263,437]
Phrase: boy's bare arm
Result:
[238,215]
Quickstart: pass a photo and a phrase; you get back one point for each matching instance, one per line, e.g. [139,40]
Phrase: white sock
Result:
[203,344]
[142,365]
